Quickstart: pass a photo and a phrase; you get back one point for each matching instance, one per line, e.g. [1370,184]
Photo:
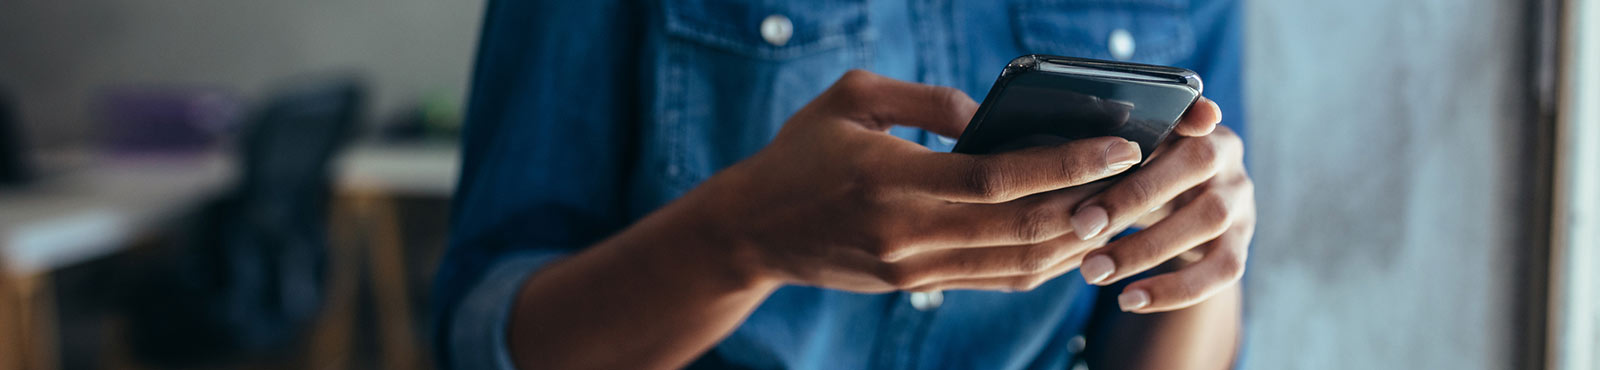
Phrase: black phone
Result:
[1047,100]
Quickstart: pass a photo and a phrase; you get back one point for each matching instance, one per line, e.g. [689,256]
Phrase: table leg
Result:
[387,258]
[27,323]
[366,231]
[11,318]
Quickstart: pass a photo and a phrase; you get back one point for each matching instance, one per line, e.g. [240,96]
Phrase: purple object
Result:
[149,120]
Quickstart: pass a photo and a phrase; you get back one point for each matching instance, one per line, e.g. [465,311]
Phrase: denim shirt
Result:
[587,115]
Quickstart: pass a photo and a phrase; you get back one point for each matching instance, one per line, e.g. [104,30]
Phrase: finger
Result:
[1187,163]
[1200,119]
[1011,283]
[1222,266]
[1002,177]
[1014,260]
[1197,222]
[882,102]
[1034,219]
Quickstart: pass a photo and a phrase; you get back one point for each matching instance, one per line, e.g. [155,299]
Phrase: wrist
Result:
[717,241]
[688,238]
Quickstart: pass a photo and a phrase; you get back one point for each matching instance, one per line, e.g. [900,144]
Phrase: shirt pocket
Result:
[768,30]
[1143,31]
[731,72]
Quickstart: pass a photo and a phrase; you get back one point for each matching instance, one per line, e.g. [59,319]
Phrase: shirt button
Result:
[926,301]
[1120,44]
[777,29]
[945,140]
[1076,344]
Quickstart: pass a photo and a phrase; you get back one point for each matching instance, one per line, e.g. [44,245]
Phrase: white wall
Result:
[1391,152]
[58,54]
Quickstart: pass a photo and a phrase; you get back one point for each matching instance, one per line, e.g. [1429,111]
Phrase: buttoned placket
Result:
[911,313]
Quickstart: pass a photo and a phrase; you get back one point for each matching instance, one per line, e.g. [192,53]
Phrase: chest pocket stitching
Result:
[815,28]
[1161,28]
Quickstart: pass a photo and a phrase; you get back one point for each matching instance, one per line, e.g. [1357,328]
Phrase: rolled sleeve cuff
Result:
[478,328]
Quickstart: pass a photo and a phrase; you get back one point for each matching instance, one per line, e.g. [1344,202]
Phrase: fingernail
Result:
[1133,300]
[1120,156]
[1096,268]
[1088,221]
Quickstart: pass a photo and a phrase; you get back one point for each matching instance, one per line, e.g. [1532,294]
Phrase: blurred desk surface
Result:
[411,170]
[78,215]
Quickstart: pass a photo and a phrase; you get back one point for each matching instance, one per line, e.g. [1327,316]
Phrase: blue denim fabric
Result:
[587,115]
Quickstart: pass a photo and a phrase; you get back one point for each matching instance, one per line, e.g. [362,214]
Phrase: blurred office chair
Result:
[246,277]
[14,168]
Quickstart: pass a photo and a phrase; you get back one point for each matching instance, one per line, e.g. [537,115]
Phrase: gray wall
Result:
[57,54]
[1391,154]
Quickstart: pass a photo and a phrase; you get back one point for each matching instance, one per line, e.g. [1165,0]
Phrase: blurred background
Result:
[266,184]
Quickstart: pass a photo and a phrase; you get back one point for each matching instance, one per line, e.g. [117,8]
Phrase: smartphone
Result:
[1048,100]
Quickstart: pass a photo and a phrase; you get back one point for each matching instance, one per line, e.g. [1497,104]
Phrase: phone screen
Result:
[1044,108]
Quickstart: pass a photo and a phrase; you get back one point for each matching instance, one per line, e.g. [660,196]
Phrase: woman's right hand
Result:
[836,202]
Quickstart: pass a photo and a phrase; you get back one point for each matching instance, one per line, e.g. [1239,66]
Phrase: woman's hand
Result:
[833,201]
[836,202]
[1200,176]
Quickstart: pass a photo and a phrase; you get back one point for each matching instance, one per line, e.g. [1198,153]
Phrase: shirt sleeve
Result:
[545,147]
[478,338]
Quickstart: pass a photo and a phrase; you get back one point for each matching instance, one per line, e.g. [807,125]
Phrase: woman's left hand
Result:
[1200,176]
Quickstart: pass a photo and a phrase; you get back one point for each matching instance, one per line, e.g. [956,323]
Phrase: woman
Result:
[724,184]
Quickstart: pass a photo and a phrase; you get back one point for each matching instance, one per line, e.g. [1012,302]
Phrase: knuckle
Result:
[1035,260]
[1231,263]
[1215,212]
[1202,154]
[854,76]
[1076,171]
[1037,223]
[1245,185]
[1136,192]
[985,181]
[854,85]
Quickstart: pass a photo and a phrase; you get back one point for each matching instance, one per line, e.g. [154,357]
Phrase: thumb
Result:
[882,102]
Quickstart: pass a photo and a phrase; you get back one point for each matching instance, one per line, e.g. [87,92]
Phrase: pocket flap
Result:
[737,26]
[1144,31]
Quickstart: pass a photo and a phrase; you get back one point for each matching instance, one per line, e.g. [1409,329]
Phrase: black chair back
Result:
[248,274]
[14,167]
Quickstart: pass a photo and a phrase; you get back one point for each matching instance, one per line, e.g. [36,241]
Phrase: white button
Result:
[945,140]
[1121,44]
[1076,344]
[777,29]
[924,301]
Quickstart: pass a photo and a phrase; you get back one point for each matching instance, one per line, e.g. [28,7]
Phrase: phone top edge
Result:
[1124,71]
